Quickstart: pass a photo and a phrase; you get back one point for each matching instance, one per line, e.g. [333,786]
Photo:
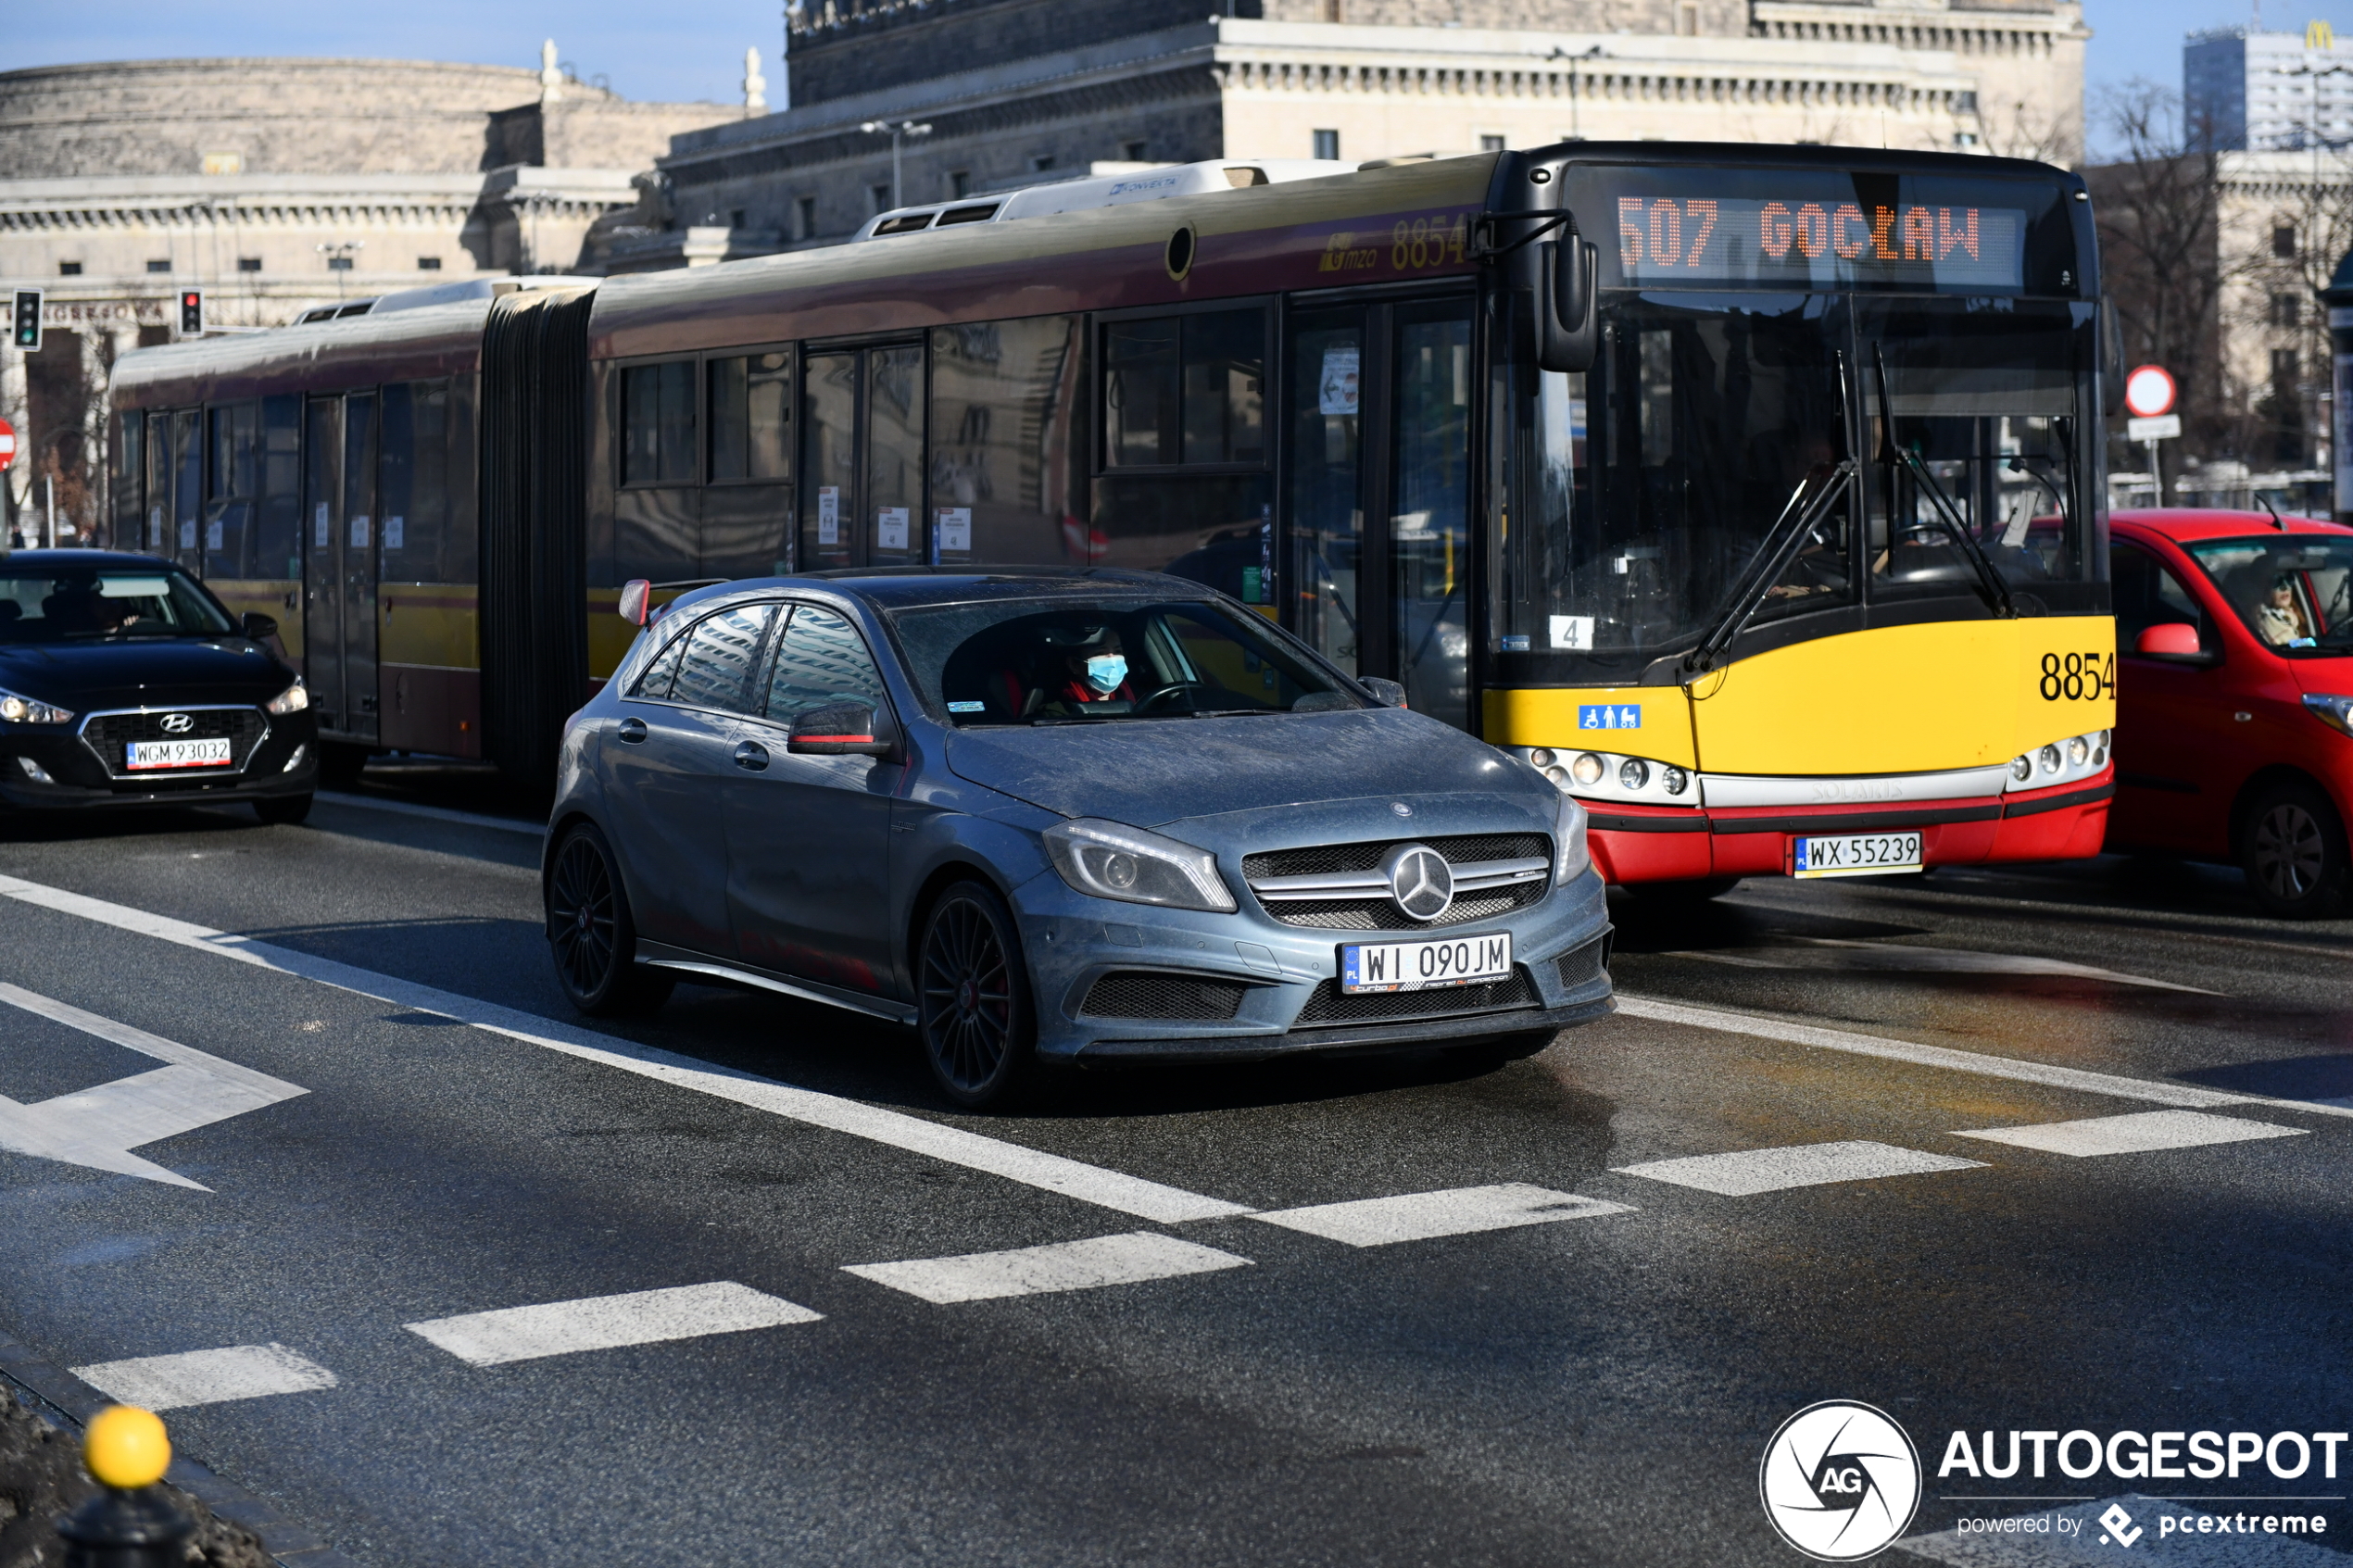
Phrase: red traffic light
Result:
[191,313]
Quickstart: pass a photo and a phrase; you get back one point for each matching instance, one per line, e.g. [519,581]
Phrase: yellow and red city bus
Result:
[1789,557]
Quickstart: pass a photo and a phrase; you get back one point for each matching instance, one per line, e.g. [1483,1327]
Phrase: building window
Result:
[1486,145]
[1042,163]
[159,266]
[68,268]
[1687,20]
[428,264]
[1331,10]
[2288,310]
[1964,140]
[736,219]
[1134,152]
[2282,242]
[1327,143]
[334,264]
[248,264]
[960,185]
[805,218]
[2283,365]
[879,196]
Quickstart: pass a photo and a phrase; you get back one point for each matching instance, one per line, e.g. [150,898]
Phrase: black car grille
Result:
[1143,994]
[1380,912]
[108,733]
[1582,966]
[1329,1004]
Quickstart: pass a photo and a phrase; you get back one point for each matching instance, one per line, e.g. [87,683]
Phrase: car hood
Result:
[2332,677]
[1148,772]
[143,673]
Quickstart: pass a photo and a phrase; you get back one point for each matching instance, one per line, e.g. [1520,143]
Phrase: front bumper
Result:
[1636,844]
[1072,941]
[77,781]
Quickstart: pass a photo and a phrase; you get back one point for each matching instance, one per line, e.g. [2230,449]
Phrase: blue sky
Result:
[653,50]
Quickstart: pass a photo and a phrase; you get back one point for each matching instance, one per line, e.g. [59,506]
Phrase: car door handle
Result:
[633,731]
[751,755]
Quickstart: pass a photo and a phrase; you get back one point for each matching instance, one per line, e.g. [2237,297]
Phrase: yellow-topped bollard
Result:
[126,1447]
[131,1523]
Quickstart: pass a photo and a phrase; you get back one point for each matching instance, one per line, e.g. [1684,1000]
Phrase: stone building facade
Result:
[276,186]
[1016,91]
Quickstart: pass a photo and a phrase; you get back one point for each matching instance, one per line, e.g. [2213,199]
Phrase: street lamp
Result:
[338,254]
[1575,132]
[903,130]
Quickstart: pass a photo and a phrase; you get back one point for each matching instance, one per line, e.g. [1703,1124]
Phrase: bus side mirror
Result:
[2111,357]
[1567,330]
[636,596]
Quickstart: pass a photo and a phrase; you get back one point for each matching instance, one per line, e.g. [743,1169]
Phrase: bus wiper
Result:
[1774,553]
[1996,590]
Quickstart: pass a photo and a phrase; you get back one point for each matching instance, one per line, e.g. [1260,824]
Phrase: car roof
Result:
[912,586]
[2187,524]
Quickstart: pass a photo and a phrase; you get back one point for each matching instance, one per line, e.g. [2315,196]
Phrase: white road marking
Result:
[207,1377]
[953,1146]
[2140,1132]
[1803,1165]
[2078,1537]
[606,1322]
[1418,1216]
[436,813]
[1099,1261]
[2042,1073]
[98,1127]
[1834,953]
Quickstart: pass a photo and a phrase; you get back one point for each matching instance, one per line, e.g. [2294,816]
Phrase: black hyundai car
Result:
[124,682]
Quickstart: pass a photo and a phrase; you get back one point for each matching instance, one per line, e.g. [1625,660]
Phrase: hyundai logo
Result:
[1420,881]
[176,724]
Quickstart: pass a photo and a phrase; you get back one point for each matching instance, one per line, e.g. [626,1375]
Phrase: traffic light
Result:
[191,312]
[24,323]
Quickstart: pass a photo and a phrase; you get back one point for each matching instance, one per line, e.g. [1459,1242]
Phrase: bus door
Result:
[323,560]
[861,502]
[357,568]
[1377,492]
[339,587]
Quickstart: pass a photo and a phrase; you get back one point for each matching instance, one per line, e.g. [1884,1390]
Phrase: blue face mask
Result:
[1106,670]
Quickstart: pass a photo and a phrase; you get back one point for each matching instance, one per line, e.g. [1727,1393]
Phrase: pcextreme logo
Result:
[1839,1481]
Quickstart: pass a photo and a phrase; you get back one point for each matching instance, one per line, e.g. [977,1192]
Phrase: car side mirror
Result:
[847,728]
[260,628]
[1388,693]
[637,594]
[2175,642]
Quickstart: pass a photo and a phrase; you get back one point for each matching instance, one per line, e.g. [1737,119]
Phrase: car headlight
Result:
[1113,861]
[2337,713]
[293,699]
[1571,855]
[30,710]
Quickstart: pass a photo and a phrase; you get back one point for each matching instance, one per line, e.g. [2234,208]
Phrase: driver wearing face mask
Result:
[1095,666]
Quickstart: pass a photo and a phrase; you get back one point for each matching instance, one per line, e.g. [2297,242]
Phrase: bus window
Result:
[129,435]
[233,480]
[894,452]
[1001,414]
[414,480]
[658,424]
[1324,484]
[1185,390]
[1140,378]
[278,539]
[1429,528]
[751,417]
[158,480]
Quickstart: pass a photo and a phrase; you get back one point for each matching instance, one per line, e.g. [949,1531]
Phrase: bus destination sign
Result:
[1801,243]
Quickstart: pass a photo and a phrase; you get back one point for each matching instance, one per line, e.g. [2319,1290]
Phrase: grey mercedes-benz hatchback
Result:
[1058,817]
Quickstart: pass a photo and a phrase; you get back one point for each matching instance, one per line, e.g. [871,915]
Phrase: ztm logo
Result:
[2119,1524]
[1839,1481]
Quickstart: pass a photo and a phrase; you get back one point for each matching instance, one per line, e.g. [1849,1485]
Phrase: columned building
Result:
[1004,93]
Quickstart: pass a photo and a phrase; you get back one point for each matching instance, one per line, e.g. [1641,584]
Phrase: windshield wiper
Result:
[1774,553]
[1996,590]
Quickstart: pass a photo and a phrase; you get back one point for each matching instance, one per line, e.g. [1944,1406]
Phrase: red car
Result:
[2235,696]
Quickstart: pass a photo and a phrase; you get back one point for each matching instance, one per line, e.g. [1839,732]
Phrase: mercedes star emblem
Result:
[1419,879]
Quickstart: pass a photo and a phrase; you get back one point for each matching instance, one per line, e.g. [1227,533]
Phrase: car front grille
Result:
[1582,966]
[1144,993]
[1329,1004]
[1507,858]
[107,734]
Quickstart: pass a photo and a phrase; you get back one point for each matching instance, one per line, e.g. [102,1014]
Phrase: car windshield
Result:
[54,604]
[1050,661]
[2295,591]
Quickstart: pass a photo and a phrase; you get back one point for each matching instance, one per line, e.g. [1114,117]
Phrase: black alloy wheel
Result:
[973,998]
[591,935]
[2294,852]
[282,811]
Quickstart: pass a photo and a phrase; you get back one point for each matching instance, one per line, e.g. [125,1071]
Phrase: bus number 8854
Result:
[2078,677]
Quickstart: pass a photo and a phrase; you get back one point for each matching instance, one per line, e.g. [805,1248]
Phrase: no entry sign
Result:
[7,444]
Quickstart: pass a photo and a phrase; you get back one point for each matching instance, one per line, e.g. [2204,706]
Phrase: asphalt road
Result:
[412,1128]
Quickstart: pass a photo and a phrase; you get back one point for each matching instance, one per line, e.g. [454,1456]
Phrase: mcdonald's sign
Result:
[2319,35]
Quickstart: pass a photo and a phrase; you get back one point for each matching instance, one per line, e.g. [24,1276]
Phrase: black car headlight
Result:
[293,699]
[30,710]
[1569,836]
[1112,860]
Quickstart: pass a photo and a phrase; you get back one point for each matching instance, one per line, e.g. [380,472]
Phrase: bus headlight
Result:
[1587,769]
[1559,774]
[1633,774]
[2050,757]
[32,710]
[1542,760]
[2078,750]
[1570,838]
[293,699]
[1675,778]
[2021,768]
